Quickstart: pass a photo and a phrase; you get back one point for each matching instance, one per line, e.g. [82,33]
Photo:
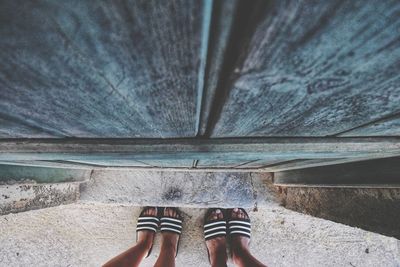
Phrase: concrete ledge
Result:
[23,197]
[179,188]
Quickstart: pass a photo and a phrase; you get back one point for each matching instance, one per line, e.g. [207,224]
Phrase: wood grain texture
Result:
[387,127]
[217,162]
[315,68]
[10,128]
[101,69]
[243,150]
[170,161]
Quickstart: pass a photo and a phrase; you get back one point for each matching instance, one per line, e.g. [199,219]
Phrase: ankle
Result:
[238,253]
[145,244]
[169,244]
[218,257]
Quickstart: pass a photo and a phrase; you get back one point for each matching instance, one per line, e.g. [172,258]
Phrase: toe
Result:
[215,215]
[171,212]
[150,211]
[235,213]
[241,214]
[168,212]
[219,214]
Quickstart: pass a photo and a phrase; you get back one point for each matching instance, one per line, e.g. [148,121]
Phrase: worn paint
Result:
[315,69]
[175,69]
[97,69]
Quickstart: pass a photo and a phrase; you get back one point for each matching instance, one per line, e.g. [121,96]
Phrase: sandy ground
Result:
[90,234]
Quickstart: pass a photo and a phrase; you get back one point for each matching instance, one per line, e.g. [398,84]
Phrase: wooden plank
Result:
[47,164]
[220,163]
[102,69]
[387,127]
[110,163]
[261,163]
[303,163]
[12,129]
[243,148]
[377,171]
[169,162]
[314,69]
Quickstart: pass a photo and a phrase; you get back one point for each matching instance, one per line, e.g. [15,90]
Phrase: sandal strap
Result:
[169,224]
[240,227]
[147,223]
[214,229]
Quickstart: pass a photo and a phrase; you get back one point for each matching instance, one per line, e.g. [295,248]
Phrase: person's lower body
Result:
[237,224]
[145,236]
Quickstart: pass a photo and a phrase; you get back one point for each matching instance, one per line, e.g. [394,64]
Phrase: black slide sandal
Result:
[239,226]
[214,228]
[172,225]
[147,223]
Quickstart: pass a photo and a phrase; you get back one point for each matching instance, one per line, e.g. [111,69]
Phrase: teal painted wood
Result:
[314,69]
[215,162]
[109,163]
[9,128]
[102,69]
[242,150]
[387,127]
[170,161]
[175,69]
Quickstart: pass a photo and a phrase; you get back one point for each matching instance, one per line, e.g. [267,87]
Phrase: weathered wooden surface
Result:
[9,128]
[101,69]
[44,163]
[315,68]
[177,69]
[243,150]
[387,127]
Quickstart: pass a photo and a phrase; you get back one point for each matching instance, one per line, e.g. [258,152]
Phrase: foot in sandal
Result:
[171,228]
[146,229]
[239,229]
[215,236]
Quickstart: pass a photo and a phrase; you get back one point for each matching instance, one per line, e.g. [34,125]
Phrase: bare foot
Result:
[239,244]
[169,239]
[216,246]
[146,237]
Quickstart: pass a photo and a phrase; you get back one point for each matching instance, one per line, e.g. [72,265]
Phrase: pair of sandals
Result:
[160,221]
[212,228]
[226,225]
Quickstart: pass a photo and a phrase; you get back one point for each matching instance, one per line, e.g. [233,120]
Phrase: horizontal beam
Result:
[309,163]
[248,148]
